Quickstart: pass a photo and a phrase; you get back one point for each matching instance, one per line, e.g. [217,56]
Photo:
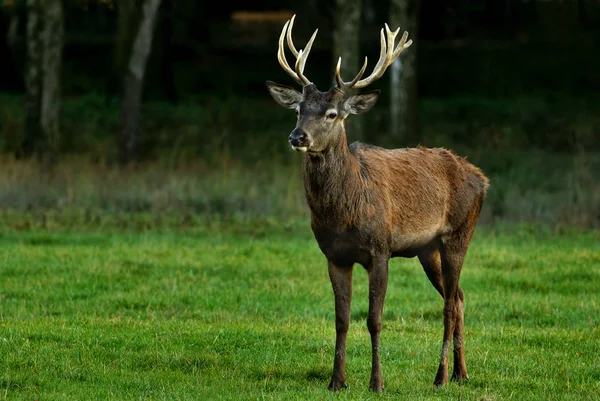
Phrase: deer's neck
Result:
[333,184]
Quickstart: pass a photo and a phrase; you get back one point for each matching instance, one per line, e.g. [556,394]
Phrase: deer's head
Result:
[321,115]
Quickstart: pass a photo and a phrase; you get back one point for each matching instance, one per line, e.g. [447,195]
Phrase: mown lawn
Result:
[246,312]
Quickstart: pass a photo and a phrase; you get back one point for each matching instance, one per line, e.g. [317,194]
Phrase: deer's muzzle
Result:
[299,140]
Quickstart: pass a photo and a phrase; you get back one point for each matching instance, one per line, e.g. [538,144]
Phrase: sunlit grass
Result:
[245,311]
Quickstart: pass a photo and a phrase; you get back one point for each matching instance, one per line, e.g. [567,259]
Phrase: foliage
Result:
[251,127]
[245,311]
[230,158]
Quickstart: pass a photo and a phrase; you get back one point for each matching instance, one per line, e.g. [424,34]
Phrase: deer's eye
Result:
[331,115]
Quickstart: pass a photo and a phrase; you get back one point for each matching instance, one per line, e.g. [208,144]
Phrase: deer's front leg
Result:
[341,281]
[378,277]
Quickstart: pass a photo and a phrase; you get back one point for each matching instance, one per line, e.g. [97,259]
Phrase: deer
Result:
[369,204]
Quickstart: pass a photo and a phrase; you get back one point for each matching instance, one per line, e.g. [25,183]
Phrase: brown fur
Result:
[369,204]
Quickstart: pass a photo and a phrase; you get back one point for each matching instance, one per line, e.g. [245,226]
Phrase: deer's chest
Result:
[345,247]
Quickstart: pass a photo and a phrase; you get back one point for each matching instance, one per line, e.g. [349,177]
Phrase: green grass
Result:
[245,311]
[527,186]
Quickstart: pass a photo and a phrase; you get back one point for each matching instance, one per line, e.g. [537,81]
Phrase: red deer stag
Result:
[369,204]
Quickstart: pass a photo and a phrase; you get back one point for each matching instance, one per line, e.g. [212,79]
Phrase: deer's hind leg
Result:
[451,259]
[431,261]
[432,265]
[460,366]
[453,251]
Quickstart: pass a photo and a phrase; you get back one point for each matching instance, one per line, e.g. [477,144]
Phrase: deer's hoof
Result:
[440,380]
[437,383]
[460,377]
[337,385]
[441,377]
[376,385]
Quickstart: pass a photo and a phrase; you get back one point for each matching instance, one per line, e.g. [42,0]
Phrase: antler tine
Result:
[281,55]
[387,55]
[387,48]
[289,37]
[340,83]
[403,44]
[354,83]
[383,58]
[338,77]
[298,62]
[301,56]
[390,38]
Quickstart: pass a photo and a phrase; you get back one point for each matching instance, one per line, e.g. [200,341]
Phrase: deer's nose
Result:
[298,138]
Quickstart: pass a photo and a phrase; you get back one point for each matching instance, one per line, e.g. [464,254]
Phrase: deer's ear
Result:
[284,95]
[361,103]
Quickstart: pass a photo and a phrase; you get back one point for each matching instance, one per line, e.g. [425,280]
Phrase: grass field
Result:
[245,311]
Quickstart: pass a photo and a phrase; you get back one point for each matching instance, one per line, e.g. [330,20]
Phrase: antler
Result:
[387,56]
[301,55]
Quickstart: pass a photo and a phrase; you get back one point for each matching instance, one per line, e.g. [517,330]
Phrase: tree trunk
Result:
[53,36]
[404,105]
[32,142]
[10,72]
[346,44]
[128,19]
[133,84]
[45,31]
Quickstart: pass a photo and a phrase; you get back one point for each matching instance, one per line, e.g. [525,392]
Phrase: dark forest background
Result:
[513,85]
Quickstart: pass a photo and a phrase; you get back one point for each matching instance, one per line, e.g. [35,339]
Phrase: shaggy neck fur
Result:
[334,184]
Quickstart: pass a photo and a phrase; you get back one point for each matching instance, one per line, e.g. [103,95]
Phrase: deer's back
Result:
[423,193]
